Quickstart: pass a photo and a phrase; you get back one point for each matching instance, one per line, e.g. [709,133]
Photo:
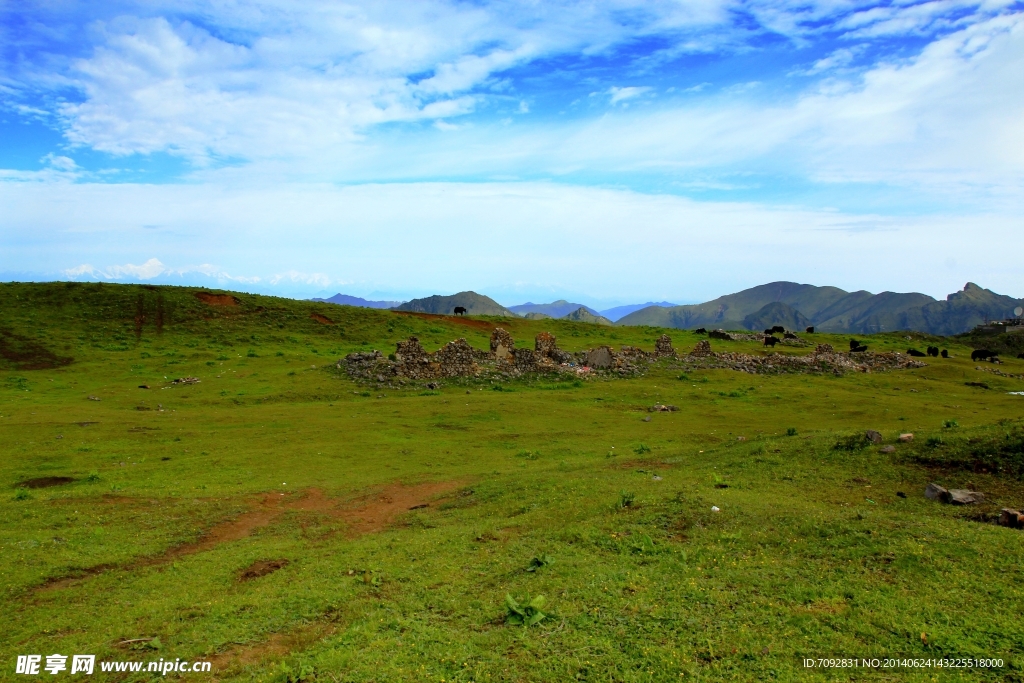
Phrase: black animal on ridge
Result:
[915,353]
[945,353]
[700,330]
[771,341]
[460,310]
[810,330]
[1020,355]
[789,335]
[778,328]
[933,351]
[982,354]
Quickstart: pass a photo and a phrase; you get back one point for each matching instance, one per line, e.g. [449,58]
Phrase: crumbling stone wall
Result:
[703,348]
[823,348]
[663,347]
[456,359]
[502,344]
[601,357]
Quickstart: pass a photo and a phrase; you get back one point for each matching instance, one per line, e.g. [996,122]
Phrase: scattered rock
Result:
[873,436]
[719,334]
[1011,518]
[94,398]
[741,438]
[714,508]
[659,408]
[824,349]
[906,438]
[143,386]
[186,380]
[964,497]
[647,419]
[888,449]
[953,496]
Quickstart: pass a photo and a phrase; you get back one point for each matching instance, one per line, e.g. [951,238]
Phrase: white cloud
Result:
[627,93]
[461,239]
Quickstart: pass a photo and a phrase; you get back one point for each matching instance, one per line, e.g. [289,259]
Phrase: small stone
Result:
[647,419]
[873,436]
[714,508]
[741,438]
[656,478]
[94,398]
[888,449]
[906,438]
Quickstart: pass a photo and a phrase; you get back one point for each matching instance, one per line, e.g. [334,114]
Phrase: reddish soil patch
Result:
[212,299]
[453,319]
[261,568]
[321,319]
[377,511]
[44,482]
[25,354]
[277,646]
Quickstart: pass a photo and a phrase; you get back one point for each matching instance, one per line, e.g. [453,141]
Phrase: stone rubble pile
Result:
[504,361]
[821,361]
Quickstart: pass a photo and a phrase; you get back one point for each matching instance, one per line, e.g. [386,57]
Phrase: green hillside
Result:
[475,304]
[187,475]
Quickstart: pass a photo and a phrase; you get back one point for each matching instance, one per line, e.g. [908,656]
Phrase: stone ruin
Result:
[503,361]
[822,360]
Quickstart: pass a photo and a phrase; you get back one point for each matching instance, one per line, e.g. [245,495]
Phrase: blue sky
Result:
[608,152]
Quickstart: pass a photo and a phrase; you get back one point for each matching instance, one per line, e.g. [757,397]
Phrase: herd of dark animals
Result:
[855,346]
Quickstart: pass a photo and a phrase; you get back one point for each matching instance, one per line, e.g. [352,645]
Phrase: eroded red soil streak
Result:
[212,299]
[454,319]
[321,318]
[367,514]
[376,511]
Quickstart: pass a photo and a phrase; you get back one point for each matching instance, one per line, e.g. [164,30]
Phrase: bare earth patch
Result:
[261,568]
[211,299]
[321,319]
[43,482]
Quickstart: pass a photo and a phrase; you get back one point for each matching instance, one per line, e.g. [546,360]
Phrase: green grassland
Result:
[544,488]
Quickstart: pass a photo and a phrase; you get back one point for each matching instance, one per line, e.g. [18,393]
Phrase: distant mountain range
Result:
[830,309]
[346,300]
[792,305]
[556,309]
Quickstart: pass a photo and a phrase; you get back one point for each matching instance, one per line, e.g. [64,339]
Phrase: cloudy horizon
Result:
[610,153]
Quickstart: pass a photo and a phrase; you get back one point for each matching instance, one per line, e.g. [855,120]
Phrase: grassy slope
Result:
[812,553]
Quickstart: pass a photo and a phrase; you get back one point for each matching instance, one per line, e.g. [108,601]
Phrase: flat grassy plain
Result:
[291,525]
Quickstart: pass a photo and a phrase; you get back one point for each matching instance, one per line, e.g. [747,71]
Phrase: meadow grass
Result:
[545,488]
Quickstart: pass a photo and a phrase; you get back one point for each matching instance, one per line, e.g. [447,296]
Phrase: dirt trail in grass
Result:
[367,514]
